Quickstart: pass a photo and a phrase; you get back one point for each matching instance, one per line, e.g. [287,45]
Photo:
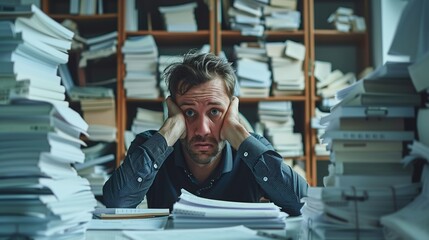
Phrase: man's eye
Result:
[189,113]
[215,112]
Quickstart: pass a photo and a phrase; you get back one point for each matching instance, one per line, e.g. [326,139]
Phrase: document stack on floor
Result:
[411,221]
[366,133]
[42,197]
[195,212]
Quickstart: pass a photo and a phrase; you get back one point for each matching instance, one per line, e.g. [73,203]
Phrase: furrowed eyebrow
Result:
[214,103]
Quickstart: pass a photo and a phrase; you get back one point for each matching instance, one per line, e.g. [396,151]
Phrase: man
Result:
[203,148]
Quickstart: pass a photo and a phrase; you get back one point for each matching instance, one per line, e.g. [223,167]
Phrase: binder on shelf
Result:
[368,111]
[369,135]
[376,99]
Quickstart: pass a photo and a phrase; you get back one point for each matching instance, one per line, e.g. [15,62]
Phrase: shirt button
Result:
[265,179]
[155,166]
[139,179]
[246,154]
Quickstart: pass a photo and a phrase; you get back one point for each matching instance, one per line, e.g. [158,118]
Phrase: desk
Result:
[293,225]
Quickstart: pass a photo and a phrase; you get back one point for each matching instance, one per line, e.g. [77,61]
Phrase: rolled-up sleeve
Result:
[280,182]
[130,182]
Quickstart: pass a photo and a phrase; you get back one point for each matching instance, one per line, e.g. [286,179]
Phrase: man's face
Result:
[204,107]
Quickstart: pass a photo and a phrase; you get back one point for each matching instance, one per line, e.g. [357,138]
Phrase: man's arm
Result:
[281,183]
[130,182]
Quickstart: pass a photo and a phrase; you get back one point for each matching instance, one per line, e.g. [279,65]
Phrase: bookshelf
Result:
[353,49]
[314,33]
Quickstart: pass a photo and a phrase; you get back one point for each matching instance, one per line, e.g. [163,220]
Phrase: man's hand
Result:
[175,126]
[232,130]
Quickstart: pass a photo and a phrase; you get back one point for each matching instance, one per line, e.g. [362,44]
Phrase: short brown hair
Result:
[197,68]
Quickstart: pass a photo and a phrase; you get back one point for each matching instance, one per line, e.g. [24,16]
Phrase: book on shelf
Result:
[322,69]
[150,115]
[330,87]
[295,50]
[368,112]
[283,20]
[393,86]
[379,99]
[368,135]
[102,132]
[179,18]
[284,4]
[97,150]
[371,168]
[249,7]
[130,213]
[364,146]
[371,180]
[368,124]
[253,70]
[247,92]
[391,156]
[329,78]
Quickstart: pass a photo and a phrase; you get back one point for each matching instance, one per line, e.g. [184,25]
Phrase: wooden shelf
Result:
[322,158]
[85,18]
[285,98]
[164,37]
[335,37]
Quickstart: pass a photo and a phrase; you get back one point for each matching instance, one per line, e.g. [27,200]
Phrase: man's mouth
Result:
[203,146]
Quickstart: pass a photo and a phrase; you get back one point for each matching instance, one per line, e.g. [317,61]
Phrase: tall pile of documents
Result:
[367,132]
[411,39]
[42,197]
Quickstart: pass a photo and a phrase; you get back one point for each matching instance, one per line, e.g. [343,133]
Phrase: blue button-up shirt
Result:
[157,171]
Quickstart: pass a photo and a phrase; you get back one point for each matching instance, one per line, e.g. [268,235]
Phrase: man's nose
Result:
[202,126]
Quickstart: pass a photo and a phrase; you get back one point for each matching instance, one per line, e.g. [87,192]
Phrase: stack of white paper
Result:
[277,120]
[39,140]
[141,59]
[39,187]
[192,211]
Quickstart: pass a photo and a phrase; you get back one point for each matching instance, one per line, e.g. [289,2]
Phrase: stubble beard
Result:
[206,157]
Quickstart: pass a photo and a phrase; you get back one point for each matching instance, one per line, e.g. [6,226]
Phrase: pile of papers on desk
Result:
[41,195]
[195,212]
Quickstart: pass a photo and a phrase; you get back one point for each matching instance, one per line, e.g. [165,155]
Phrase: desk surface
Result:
[291,232]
